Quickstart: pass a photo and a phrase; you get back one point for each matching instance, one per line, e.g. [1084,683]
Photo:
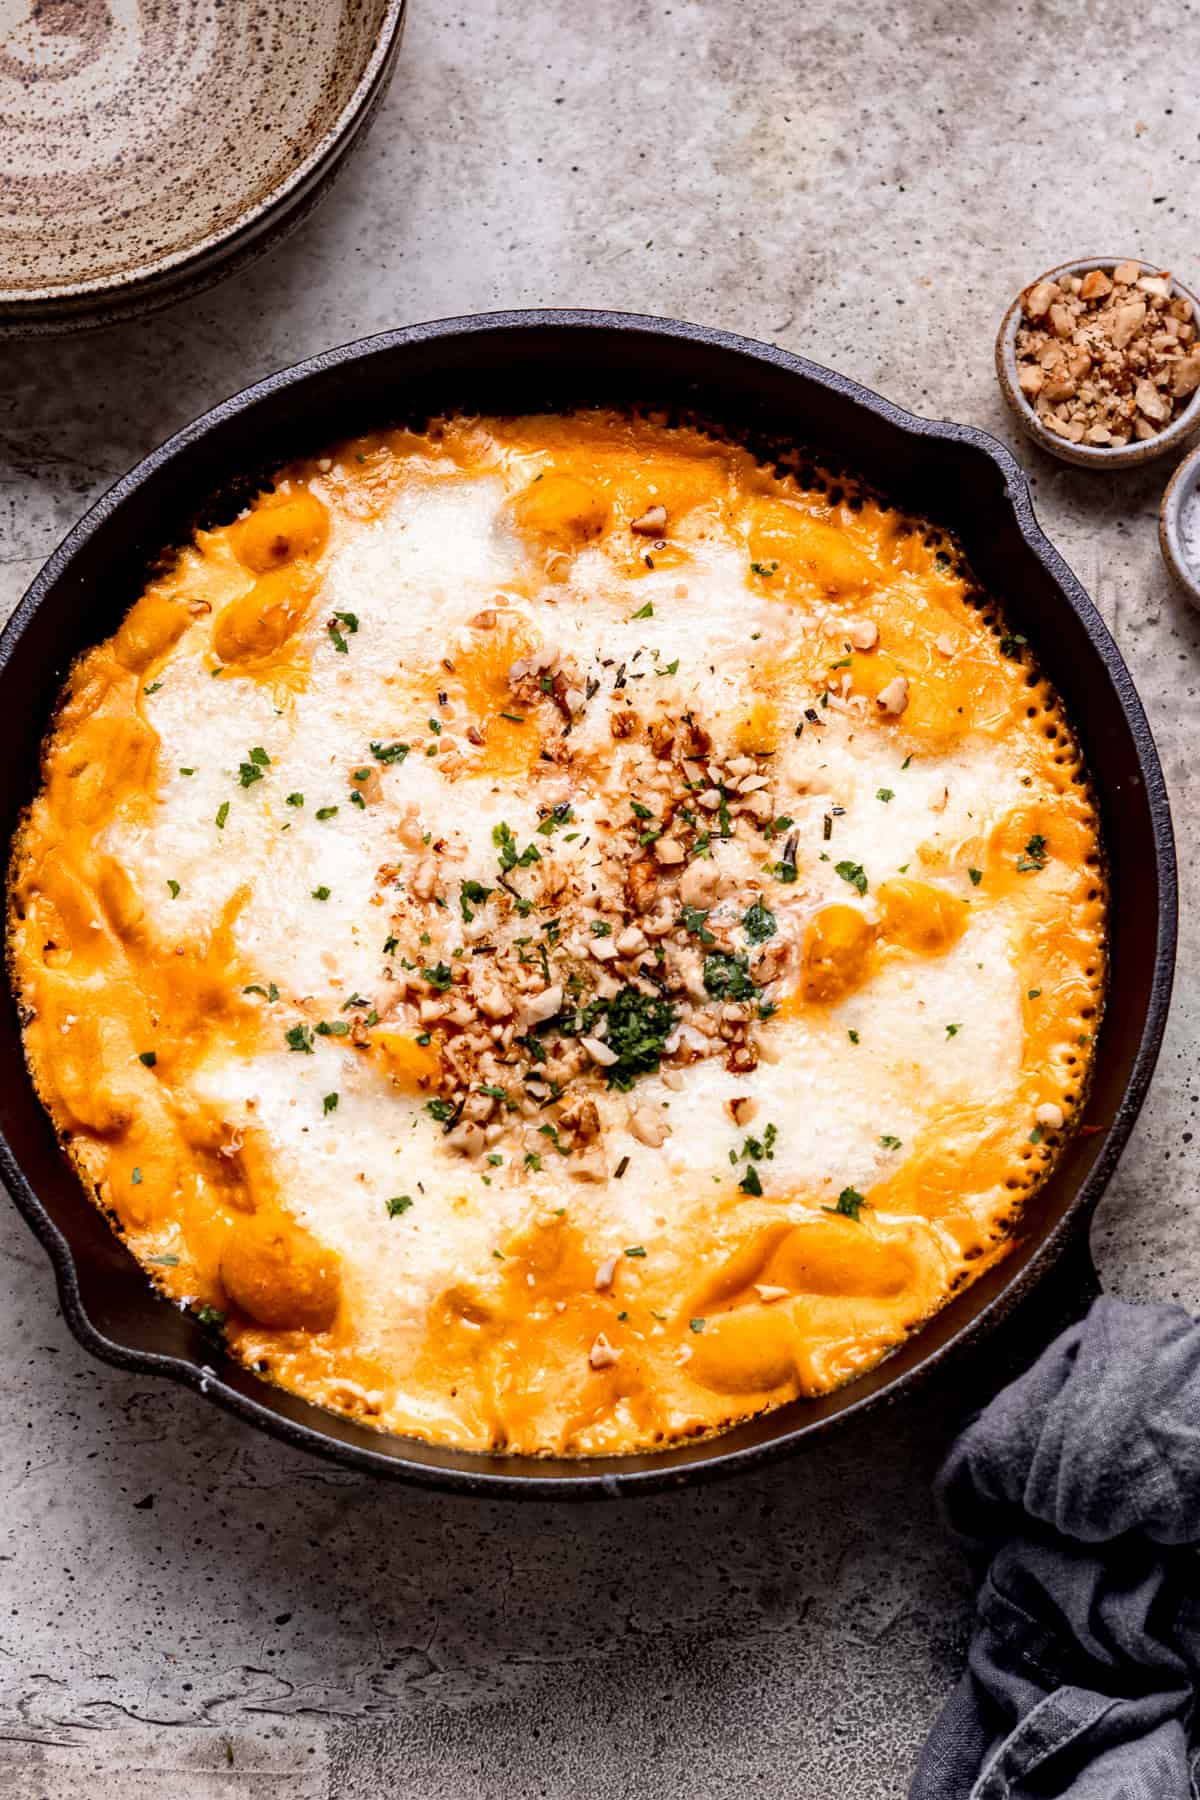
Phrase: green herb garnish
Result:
[849,1204]
[758,923]
[727,977]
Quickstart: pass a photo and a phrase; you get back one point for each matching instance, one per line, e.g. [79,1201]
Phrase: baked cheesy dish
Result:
[552,935]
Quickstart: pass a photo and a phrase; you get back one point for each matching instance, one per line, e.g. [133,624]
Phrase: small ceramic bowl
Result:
[1091,456]
[149,150]
[1181,499]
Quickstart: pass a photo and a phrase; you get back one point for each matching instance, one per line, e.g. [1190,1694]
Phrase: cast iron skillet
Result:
[516,362]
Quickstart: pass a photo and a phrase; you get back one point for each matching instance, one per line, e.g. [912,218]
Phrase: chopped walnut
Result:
[648,1128]
[1106,359]
[894,697]
[602,1355]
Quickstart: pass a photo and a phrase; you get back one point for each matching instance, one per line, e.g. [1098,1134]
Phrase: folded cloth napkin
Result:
[1077,1495]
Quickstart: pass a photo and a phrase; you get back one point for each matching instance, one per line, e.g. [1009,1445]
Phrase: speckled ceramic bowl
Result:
[1091,456]
[1182,497]
[151,146]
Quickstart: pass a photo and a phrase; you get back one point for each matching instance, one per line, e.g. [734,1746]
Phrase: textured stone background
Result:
[186,1609]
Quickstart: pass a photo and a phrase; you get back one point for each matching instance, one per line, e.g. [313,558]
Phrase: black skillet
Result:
[514,362]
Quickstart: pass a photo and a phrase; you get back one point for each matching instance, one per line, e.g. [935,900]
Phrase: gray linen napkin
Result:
[1077,1494]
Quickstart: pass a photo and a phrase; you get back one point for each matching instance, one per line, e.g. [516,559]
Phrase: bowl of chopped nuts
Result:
[1100,361]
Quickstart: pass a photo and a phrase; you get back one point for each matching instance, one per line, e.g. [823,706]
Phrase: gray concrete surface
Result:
[187,1610]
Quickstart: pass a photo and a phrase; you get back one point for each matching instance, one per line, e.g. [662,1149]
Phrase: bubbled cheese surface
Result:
[590,709]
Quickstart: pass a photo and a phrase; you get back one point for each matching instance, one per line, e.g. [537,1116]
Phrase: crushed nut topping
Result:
[602,1355]
[611,945]
[1104,359]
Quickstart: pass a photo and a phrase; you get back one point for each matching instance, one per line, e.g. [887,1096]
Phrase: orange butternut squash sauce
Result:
[555,937]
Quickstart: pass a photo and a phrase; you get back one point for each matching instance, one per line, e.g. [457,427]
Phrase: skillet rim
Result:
[496,1477]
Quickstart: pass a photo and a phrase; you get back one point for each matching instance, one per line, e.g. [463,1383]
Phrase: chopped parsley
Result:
[727,977]
[761,1148]
[1034,857]
[333,1028]
[634,1250]
[347,619]
[849,1204]
[472,894]
[1034,994]
[561,815]
[697,1325]
[785,872]
[326,812]
[222,815]
[765,569]
[889,1142]
[136,1178]
[758,923]
[252,770]
[551,1132]
[398,1204]
[638,1027]
[330,1103]
[885,794]
[153,688]
[853,1036]
[320,893]
[295,800]
[148,1057]
[853,873]
[174,889]
[692,918]
[439,977]
[976,876]
[389,753]
[1012,643]
[644,612]
[356,798]
[441,1110]
[187,771]
[210,1316]
[953,1030]
[750,1183]
[600,928]
[671,668]
[299,1038]
[268,994]
[510,857]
